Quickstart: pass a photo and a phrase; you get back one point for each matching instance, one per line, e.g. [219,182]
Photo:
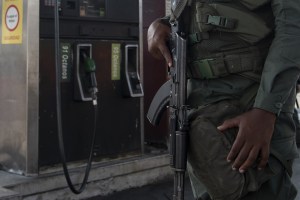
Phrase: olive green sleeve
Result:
[282,66]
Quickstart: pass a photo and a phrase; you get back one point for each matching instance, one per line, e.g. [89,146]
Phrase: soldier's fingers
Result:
[166,54]
[235,149]
[230,123]
[156,54]
[241,157]
[252,157]
[264,153]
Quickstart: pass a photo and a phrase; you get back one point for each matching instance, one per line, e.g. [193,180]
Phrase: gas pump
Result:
[101,33]
[76,58]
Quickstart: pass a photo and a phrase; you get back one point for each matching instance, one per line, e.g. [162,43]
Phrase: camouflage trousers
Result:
[210,172]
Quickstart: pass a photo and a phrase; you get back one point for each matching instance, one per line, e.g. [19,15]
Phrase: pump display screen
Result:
[92,8]
[51,2]
[75,8]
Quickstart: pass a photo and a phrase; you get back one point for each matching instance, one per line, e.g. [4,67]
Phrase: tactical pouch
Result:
[227,17]
[209,148]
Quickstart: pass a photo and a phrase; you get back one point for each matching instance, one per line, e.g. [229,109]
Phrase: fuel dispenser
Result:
[99,59]
[92,32]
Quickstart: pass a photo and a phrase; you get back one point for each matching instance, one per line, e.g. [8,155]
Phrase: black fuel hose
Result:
[59,119]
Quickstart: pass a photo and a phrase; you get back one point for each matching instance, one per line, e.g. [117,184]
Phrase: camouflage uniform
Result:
[225,95]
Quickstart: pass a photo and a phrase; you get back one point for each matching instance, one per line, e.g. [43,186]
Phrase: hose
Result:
[59,119]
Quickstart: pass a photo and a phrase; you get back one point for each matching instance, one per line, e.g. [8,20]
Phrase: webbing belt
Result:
[224,65]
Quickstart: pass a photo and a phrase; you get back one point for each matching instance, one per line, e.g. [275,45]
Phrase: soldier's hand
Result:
[158,35]
[252,144]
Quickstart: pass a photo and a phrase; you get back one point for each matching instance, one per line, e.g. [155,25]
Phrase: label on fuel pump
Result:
[12,21]
[115,61]
[65,49]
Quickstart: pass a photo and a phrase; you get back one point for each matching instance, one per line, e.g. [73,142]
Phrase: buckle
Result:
[221,21]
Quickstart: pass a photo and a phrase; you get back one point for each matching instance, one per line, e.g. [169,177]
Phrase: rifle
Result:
[173,95]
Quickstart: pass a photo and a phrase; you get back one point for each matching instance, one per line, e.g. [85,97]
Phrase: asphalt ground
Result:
[158,191]
[164,190]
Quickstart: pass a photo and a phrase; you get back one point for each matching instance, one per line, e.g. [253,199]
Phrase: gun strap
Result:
[175,14]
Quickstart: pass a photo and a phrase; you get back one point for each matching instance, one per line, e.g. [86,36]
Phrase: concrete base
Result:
[9,194]
[105,178]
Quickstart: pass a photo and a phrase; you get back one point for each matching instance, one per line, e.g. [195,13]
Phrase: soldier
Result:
[243,63]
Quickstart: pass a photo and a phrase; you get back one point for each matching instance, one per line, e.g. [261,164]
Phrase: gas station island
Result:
[73,94]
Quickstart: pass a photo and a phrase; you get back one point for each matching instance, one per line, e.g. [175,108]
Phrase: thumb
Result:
[166,54]
[229,123]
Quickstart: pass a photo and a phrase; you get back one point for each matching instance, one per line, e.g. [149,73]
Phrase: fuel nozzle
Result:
[90,69]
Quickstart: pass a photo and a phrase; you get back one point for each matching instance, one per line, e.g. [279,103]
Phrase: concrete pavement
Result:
[149,178]
[164,190]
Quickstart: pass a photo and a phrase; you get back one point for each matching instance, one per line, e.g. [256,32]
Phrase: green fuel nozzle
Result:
[89,65]
[90,69]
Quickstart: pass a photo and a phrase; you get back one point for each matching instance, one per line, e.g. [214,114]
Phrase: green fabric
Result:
[208,149]
[279,187]
[282,66]
[201,92]
[201,68]
[252,4]
[222,64]
[246,21]
[276,91]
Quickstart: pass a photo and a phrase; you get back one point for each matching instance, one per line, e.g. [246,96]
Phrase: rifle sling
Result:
[176,13]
